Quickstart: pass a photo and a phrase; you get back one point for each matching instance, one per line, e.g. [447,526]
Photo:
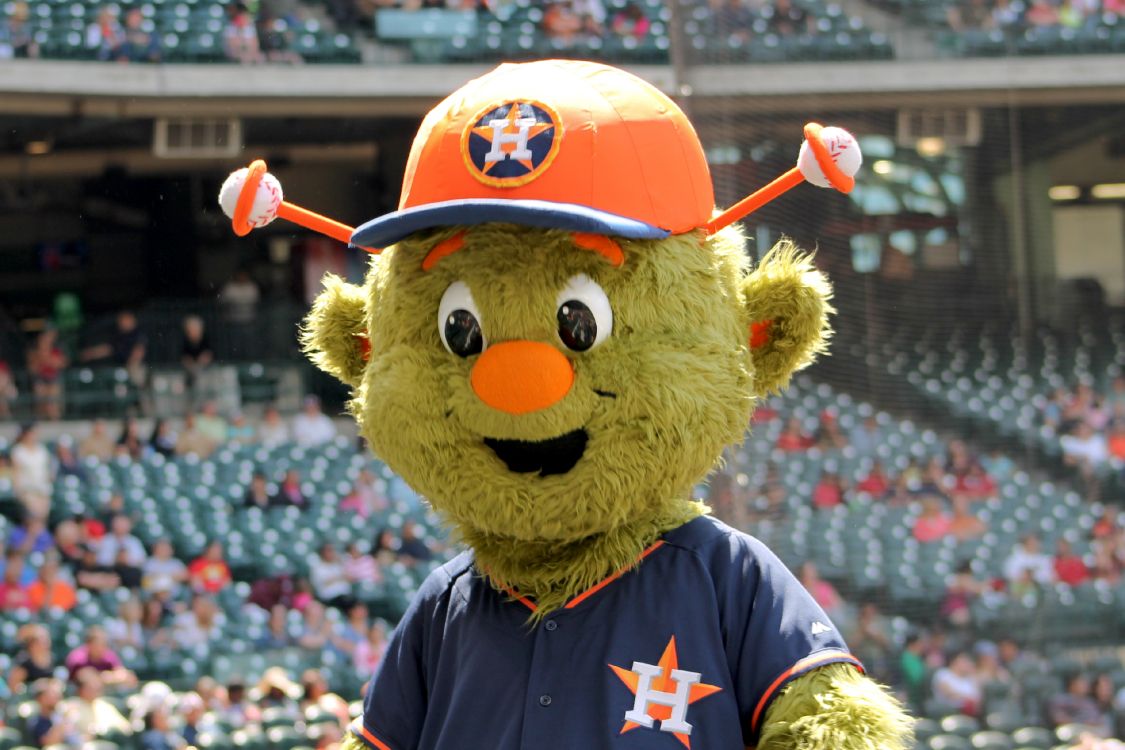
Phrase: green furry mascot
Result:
[556,345]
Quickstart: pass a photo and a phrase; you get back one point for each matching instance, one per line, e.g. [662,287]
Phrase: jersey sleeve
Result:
[395,706]
[776,630]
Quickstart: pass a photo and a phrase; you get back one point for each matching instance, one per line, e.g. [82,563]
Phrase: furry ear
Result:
[334,334]
[787,301]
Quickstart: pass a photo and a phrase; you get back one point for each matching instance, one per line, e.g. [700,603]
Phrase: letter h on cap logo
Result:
[510,144]
[499,137]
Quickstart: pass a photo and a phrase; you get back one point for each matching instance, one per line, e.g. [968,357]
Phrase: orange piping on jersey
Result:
[379,745]
[598,587]
[807,663]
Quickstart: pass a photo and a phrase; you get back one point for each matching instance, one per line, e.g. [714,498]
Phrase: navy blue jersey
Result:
[687,649]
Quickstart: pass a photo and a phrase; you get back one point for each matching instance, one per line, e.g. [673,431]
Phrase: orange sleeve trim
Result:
[598,587]
[803,665]
[372,739]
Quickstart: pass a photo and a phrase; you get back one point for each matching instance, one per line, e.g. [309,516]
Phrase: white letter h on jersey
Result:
[499,137]
[646,696]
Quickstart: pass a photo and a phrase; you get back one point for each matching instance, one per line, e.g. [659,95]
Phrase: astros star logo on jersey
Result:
[510,144]
[663,693]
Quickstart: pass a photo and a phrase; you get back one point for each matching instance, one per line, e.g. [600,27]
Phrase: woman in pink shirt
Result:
[933,524]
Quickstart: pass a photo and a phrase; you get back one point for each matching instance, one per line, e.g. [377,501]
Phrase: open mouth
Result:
[558,455]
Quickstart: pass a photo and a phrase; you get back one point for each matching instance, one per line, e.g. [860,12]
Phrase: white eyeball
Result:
[584,315]
[459,321]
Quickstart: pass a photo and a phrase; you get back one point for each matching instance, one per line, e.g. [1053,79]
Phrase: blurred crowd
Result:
[1090,427]
[1020,14]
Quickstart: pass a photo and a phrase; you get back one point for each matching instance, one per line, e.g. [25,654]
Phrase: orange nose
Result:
[521,376]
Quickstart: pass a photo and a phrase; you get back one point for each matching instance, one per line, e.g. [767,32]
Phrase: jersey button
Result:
[544,700]
[551,625]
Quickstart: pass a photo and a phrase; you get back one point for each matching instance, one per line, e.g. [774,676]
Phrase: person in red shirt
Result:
[792,439]
[829,491]
[210,572]
[13,592]
[875,483]
[1069,567]
[934,522]
[49,591]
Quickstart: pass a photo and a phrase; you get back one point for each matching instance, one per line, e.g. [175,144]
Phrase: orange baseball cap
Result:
[564,144]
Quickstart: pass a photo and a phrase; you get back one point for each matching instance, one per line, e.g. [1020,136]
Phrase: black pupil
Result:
[462,333]
[577,327]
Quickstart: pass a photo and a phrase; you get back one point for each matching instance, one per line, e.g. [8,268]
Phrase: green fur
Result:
[332,327]
[788,290]
[352,742]
[681,369]
[835,707]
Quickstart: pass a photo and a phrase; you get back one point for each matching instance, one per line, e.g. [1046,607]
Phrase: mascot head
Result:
[558,340]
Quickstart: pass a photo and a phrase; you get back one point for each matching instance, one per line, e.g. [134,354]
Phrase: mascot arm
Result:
[835,707]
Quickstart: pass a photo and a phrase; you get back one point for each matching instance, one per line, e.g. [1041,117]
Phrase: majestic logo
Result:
[663,693]
[511,144]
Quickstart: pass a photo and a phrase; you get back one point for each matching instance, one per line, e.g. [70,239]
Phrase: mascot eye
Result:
[459,321]
[584,315]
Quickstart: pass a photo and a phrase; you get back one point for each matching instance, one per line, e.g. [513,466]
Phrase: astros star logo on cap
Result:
[510,144]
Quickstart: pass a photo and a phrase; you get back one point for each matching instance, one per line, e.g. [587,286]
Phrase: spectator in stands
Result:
[127,573]
[239,710]
[963,524]
[989,668]
[16,39]
[95,653]
[312,427]
[998,465]
[126,630]
[121,538]
[192,441]
[413,547]
[875,483]
[272,430]
[1069,567]
[154,626]
[789,19]
[66,459]
[8,390]
[360,566]
[129,442]
[210,573]
[912,668]
[34,661]
[258,493]
[13,589]
[90,574]
[68,544]
[1084,448]
[239,301]
[822,591]
[163,573]
[140,46]
[870,641]
[32,473]
[369,653]
[1076,705]
[316,630]
[792,438]
[960,592]
[163,438]
[240,36]
[31,537]
[770,506]
[276,634]
[829,491]
[1115,439]
[957,687]
[276,37]
[866,437]
[127,347]
[329,578]
[828,434]
[934,523]
[98,444]
[560,23]
[51,591]
[631,22]
[353,631]
[1027,557]
[157,733]
[386,547]
[975,483]
[50,725]
[970,16]
[366,496]
[194,717]
[105,34]
[1109,559]
[278,692]
[92,714]
[239,430]
[200,625]
[289,491]
[46,363]
[315,696]
[211,424]
[732,19]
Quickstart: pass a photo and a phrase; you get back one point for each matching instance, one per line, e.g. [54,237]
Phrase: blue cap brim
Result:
[389,229]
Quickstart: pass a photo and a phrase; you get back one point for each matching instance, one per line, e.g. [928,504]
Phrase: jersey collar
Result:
[593,589]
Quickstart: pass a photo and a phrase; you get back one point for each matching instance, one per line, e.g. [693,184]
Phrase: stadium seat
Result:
[949,742]
[991,740]
[1033,737]
[959,724]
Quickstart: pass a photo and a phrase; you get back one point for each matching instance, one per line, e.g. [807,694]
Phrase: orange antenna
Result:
[829,157]
[252,198]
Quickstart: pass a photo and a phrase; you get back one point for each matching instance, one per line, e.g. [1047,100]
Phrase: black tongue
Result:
[555,456]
